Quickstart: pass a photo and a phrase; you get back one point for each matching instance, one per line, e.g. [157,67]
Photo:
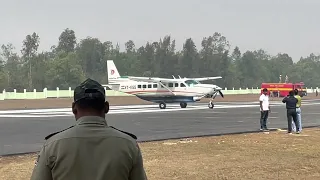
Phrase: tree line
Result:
[71,61]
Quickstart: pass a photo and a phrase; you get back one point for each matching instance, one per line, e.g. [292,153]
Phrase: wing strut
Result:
[166,87]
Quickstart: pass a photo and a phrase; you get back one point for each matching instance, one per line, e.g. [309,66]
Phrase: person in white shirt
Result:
[264,109]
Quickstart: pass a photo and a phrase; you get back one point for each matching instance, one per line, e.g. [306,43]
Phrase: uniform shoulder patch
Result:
[52,134]
[132,135]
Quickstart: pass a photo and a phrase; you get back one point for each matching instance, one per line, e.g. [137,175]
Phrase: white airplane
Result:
[163,90]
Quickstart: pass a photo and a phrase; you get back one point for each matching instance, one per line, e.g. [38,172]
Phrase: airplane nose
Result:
[217,89]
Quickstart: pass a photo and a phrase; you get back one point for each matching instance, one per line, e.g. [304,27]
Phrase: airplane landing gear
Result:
[162,105]
[183,105]
[211,105]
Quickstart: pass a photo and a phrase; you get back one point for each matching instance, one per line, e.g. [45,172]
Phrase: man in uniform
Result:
[90,149]
[291,103]
[264,109]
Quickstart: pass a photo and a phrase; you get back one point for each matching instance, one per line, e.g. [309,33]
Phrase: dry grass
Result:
[249,156]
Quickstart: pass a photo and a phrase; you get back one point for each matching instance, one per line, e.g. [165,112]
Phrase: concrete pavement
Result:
[24,131]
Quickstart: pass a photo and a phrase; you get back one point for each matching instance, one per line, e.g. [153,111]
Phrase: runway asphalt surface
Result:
[23,131]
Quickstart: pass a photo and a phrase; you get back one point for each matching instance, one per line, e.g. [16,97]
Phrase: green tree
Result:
[67,63]
[67,41]
[12,68]
[189,61]
[65,72]
[91,52]
[29,51]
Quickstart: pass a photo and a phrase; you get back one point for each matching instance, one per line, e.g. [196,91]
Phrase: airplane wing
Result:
[167,80]
[205,78]
[154,79]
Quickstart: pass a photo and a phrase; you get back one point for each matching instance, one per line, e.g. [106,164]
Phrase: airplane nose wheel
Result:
[211,105]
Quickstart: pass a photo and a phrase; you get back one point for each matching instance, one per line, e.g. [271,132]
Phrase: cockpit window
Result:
[191,82]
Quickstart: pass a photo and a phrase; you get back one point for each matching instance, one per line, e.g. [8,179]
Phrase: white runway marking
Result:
[132,109]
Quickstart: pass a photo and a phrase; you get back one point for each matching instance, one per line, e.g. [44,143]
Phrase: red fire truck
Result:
[282,89]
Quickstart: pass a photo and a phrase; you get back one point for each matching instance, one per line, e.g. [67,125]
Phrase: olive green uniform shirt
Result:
[90,150]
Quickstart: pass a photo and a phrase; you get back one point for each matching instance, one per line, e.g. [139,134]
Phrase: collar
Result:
[91,120]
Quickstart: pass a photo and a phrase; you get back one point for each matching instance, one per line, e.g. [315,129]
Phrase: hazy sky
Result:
[289,26]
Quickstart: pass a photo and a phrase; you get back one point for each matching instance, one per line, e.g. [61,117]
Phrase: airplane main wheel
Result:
[210,105]
[183,105]
[162,105]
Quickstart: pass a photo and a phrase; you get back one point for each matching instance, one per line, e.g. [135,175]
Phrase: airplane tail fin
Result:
[113,72]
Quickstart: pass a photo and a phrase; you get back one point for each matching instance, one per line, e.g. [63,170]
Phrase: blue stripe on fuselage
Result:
[167,99]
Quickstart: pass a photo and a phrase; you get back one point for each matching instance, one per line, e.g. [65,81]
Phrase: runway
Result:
[23,131]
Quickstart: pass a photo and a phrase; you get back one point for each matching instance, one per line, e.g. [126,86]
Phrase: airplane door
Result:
[183,86]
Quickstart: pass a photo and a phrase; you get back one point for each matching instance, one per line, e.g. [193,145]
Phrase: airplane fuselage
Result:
[184,91]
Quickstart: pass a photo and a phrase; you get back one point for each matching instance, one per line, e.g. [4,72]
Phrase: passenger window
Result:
[176,85]
[144,86]
[155,85]
[149,86]
[139,86]
[170,84]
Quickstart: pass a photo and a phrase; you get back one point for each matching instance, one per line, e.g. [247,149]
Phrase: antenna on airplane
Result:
[179,77]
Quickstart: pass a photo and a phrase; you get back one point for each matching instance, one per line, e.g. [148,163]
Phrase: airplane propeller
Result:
[221,93]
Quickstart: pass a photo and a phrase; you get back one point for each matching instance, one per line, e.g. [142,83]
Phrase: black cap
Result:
[89,89]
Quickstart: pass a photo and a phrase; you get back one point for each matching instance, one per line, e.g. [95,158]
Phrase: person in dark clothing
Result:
[291,103]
